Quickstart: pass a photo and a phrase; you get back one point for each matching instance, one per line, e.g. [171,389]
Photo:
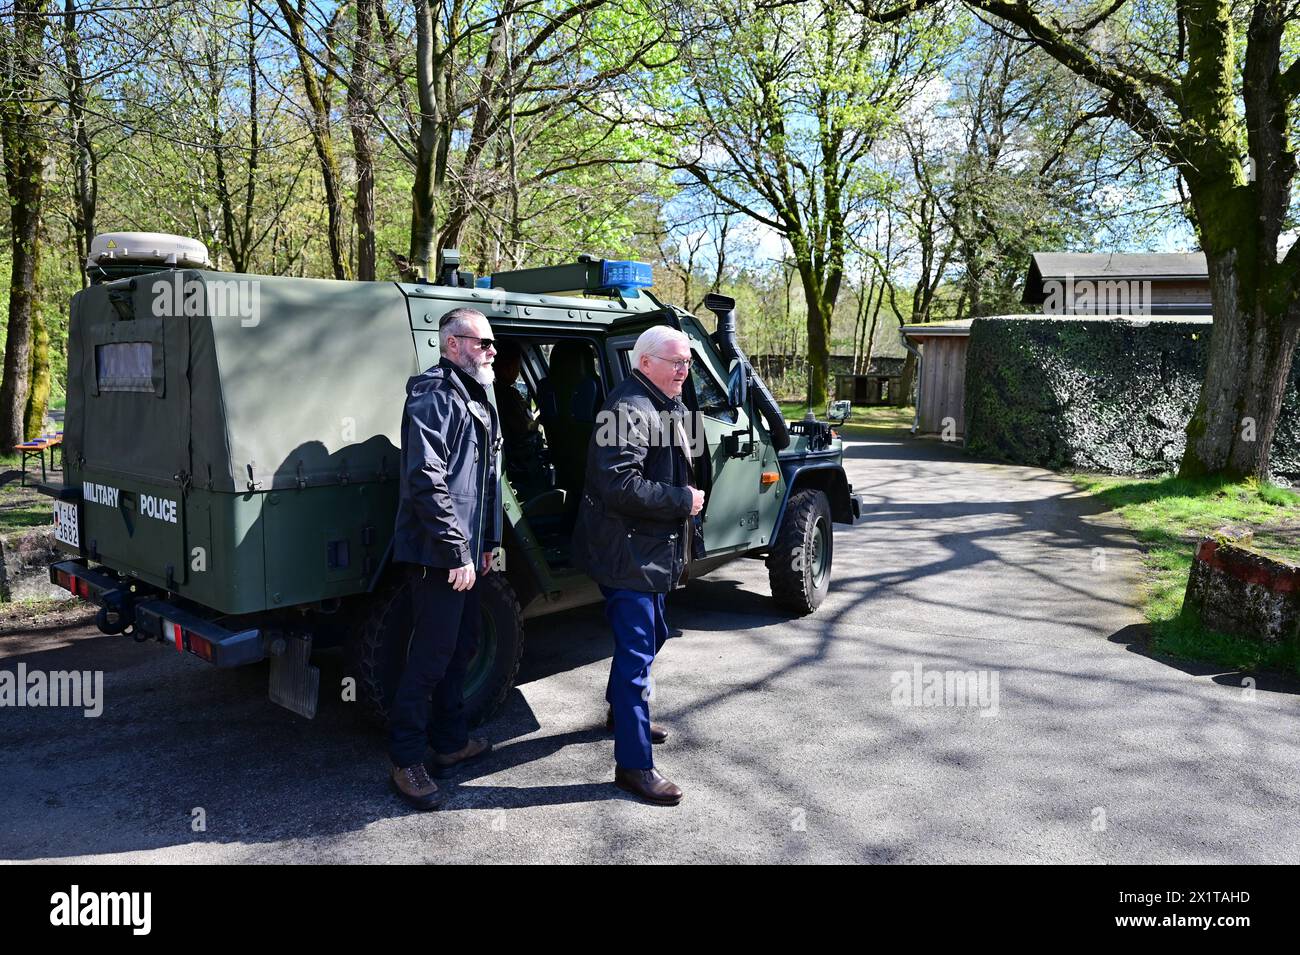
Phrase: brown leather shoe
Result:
[658,732]
[414,785]
[648,784]
[443,766]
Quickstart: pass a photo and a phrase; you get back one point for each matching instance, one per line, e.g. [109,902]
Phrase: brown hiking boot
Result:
[444,765]
[414,785]
[658,732]
[648,784]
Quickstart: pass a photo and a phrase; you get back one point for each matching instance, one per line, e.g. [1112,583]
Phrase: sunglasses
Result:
[483,343]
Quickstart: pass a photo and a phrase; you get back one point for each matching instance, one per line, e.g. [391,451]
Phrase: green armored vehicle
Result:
[232,444]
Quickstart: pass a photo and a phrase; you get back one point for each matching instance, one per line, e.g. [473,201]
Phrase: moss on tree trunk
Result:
[38,396]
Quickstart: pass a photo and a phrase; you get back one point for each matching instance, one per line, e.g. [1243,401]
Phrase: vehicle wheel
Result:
[377,649]
[799,564]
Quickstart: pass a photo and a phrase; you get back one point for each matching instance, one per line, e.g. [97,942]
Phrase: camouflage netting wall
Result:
[1108,395]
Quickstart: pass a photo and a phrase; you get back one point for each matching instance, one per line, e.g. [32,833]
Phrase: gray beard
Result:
[483,374]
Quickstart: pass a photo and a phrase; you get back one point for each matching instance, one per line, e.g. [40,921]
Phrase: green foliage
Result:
[1109,395]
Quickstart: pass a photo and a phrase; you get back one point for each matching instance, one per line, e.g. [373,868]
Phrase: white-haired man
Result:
[448,523]
[635,524]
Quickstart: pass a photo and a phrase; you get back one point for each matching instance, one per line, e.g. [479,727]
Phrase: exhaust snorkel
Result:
[724,307]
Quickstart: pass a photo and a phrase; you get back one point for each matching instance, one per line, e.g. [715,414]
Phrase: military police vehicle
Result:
[232,445]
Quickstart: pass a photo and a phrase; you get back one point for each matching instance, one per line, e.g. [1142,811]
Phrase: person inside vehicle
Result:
[522,442]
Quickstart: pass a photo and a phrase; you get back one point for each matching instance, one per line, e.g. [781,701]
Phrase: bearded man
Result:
[448,525]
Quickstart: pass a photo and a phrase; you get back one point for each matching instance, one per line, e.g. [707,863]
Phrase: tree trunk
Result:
[482,128]
[24,160]
[25,194]
[865,294]
[819,351]
[869,342]
[38,397]
[430,162]
[1247,370]
[85,163]
[821,279]
[238,228]
[359,119]
[319,122]
[907,382]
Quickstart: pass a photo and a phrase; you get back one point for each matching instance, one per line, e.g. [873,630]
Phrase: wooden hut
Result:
[941,378]
[880,384]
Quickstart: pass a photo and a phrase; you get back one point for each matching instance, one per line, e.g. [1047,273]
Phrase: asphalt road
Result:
[793,739]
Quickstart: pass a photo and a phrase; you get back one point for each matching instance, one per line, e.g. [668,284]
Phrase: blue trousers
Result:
[429,707]
[637,618]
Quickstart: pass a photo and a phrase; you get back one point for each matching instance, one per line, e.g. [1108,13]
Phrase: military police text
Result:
[159,508]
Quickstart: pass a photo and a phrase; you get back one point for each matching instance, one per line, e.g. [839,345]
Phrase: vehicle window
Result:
[625,360]
[124,366]
[707,391]
[710,395]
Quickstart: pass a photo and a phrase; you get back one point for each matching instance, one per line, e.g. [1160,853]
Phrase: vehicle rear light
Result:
[200,647]
[769,478]
[81,588]
[64,580]
[184,640]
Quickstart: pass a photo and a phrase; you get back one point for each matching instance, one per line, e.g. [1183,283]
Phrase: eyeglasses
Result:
[483,343]
[679,364]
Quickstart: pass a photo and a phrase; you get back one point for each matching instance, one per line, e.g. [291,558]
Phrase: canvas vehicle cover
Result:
[194,395]
[254,386]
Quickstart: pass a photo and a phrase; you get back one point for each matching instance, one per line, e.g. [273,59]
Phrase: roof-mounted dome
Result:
[118,254]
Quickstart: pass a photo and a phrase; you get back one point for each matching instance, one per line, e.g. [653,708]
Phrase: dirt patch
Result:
[29,615]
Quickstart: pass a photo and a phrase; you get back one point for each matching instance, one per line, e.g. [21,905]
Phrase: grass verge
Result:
[1169,516]
[863,422]
[22,507]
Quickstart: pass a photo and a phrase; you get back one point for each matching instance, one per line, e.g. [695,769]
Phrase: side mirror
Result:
[838,411]
[738,385]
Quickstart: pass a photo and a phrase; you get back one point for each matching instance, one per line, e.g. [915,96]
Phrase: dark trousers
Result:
[637,618]
[429,708]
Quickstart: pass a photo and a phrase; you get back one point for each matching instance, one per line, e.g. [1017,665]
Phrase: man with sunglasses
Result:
[448,525]
[635,525]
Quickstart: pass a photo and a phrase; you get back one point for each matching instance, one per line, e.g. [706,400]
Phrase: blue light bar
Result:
[625,275]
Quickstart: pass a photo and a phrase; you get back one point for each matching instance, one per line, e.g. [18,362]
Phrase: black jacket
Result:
[635,512]
[448,508]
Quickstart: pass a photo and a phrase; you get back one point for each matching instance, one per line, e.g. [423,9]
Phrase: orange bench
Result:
[50,442]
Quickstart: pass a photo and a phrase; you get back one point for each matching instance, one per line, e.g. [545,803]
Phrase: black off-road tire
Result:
[799,563]
[377,649]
